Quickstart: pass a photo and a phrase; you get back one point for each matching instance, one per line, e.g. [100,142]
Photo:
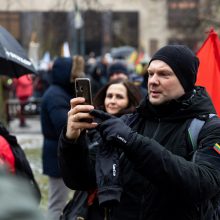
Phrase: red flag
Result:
[209,68]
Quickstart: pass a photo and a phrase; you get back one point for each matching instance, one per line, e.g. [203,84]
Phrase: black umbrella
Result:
[121,52]
[13,58]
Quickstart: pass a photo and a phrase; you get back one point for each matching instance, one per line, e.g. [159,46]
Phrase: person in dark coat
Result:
[118,97]
[162,177]
[54,108]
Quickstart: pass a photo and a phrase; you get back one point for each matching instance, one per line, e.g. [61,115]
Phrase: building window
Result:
[183,13]
[11,22]
[125,28]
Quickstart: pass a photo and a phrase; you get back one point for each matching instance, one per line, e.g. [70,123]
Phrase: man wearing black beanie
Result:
[182,61]
[179,62]
[161,174]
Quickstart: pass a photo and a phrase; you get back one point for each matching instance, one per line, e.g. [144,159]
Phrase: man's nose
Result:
[153,79]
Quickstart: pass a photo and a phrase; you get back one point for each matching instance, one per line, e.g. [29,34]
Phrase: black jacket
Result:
[161,178]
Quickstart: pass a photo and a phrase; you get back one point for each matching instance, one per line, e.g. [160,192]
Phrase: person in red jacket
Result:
[24,89]
[6,156]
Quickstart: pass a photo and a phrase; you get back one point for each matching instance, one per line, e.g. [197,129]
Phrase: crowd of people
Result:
[134,160]
[100,70]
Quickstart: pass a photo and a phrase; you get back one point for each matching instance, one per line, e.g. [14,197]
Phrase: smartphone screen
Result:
[83,89]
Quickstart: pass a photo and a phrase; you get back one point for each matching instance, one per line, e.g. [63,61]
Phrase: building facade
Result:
[143,24]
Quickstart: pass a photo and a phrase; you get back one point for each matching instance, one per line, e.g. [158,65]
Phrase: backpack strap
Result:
[194,129]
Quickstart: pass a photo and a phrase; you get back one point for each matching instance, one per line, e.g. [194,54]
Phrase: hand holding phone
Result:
[77,112]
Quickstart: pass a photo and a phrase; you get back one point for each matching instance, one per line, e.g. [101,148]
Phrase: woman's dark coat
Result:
[161,177]
[54,109]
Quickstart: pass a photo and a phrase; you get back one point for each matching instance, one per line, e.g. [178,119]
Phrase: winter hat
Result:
[182,61]
[61,70]
[117,67]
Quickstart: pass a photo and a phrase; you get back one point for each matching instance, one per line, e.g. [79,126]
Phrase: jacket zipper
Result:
[107,213]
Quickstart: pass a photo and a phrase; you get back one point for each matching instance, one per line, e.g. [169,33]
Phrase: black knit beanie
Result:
[182,61]
[117,67]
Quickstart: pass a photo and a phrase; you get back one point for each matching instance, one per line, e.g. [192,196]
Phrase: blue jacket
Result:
[54,109]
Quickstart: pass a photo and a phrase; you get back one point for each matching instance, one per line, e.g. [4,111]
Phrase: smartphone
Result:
[83,89]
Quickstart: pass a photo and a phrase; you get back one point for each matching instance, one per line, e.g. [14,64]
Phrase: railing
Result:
[32,107]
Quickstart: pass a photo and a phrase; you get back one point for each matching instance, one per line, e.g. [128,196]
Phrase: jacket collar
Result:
[190,105]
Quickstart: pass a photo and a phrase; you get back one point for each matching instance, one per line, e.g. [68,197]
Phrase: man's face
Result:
[163,85]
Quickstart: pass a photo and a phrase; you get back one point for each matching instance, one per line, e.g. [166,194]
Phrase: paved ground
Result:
[28,137]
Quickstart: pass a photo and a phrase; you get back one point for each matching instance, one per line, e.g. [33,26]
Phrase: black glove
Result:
[100,115]
[107,175]
[112,128]
[107,167]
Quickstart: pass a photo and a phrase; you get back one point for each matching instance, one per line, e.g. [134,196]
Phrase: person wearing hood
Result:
[161,176]
[54,108]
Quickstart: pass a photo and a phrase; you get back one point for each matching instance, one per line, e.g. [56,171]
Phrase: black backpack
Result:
[22,166]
